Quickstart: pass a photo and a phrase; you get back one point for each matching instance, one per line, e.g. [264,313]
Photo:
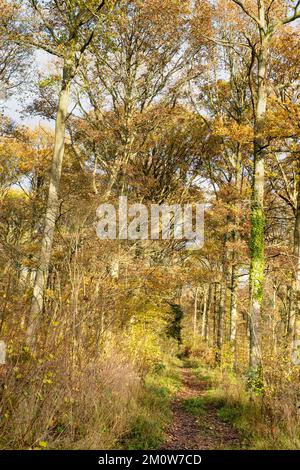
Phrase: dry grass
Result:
[267,421]
[65,405]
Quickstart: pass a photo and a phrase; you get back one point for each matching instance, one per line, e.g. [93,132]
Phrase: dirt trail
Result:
[207,432]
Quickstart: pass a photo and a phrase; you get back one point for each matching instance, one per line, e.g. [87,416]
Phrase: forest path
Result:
[196,424]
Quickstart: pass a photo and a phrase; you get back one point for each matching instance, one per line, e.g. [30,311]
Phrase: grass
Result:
[242,409]
[153,412]
[229,408]
[229,414]
[195,406]
[199,371]
[225,392]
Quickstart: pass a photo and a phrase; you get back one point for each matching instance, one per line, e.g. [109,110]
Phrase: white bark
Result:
[52,209]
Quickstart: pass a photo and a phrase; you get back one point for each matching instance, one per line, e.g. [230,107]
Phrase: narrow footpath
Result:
[206,431]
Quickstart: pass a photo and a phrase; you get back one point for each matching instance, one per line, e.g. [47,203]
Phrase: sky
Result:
[15,105]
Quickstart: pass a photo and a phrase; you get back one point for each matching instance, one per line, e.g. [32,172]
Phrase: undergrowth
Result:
[153,412]
[245,410]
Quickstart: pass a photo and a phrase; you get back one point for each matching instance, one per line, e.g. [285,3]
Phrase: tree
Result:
[267,21]
[133,72]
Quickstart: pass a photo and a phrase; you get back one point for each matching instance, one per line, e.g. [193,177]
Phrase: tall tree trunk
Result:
[215,315]
[222,304]
[52,209]
[206,305]
[233,312]
[257,210]
[295,301]
[233,304]
[220,321]
[195,316]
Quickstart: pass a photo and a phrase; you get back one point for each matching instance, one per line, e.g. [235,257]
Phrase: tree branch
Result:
[47,25]
[20,41]
[221,42]
[294,16]
[248,13]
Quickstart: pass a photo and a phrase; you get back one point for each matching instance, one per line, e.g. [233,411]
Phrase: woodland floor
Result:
[191,432]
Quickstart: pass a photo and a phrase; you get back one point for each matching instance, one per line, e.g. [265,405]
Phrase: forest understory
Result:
[209,410]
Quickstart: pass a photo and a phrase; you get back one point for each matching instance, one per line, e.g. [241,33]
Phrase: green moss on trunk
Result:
[257,252]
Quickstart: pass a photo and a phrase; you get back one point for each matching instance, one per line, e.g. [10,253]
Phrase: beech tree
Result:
[267,18]
[142,64]
[65,30]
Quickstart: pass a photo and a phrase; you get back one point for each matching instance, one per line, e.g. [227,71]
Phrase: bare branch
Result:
[21,40]
[47,25]
[220,42]
[248,13]
[294,16]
